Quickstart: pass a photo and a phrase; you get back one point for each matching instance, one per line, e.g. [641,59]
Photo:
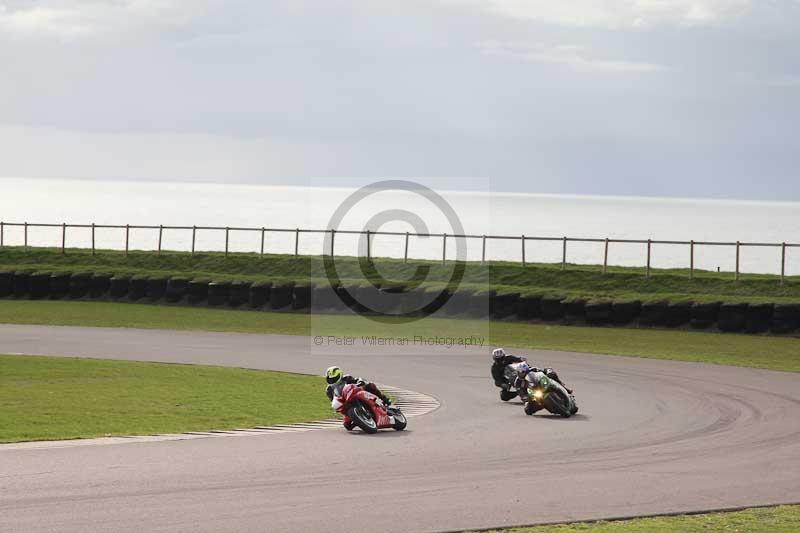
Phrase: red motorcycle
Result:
[367,411]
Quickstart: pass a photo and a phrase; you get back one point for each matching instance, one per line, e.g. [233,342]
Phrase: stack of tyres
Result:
[732,317]
[529,306]
[6,284]
[21,283]
[574,310]
[137,288]
[704,315]
[240,293]
[758,318]
[504,305]
[219,292]
[625,311]
[40,285]
[156,288]
[301,297]
[176,289]
[785,318]
[281,295]
[259,294]
[120,287]
[323,298]
[598,312]
[59,285]
[459,302]
[551,308]
[678,314]
[653,314]
[99,285]
[79,285]
[197,291]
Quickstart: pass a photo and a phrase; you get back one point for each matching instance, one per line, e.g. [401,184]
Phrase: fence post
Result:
[92,238]
[783,262]
[26,236]
[605,258]
[63,237]
[262,239]
[691,259]
[127,237]
[227,236]
[369,247]
[738,245]
[296,241]
[405,254]
[160,233]
[2,237]
[194,234]
[483,249]
[333,237]
[523,250]
[564,254]
[444,248]
[649,248]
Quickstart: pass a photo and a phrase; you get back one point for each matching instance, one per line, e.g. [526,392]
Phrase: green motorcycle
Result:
[547,393]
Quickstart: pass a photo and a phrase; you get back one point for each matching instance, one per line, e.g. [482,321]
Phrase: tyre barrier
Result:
[197,291]
[598,312]
[219,292]
[176,289]
[344,298]
[281,296]
[259,294]
[240,293]
[40,285]
[301,297]
[120,287]
[59,285]
[503,305]
[99,285]
[758,318]
[785,318]
[732,317]
[625,312]
[323,298]
[529,306]
[459,302]
[653,314]
[574,310]
[704,315]
[137,288]
[678,314]
[6,284]
[552,308]
[21,283]
[480,305]
[79,285]
[156,288]
[367,297]
[729,317]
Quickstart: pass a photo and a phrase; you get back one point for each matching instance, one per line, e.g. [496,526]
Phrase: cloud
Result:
[576,57]
[779,81]
[617,13]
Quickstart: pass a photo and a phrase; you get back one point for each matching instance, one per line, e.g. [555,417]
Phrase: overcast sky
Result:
[693,98]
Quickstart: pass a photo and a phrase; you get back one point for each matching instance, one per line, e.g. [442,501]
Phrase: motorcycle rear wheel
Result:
[362,417]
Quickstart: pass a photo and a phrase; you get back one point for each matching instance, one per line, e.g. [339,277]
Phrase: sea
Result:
[57,201]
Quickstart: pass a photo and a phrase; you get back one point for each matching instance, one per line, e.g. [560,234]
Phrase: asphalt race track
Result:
[652,437]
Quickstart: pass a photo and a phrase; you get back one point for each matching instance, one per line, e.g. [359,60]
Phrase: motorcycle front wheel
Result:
[400,421]
[361,415]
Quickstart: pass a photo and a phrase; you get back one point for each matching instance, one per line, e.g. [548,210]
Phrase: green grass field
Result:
[585,281]
[782,519]
[46,398]
[777,353]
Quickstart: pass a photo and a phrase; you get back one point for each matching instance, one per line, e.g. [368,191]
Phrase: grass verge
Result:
[776,353]
[47,398]
[579,281]
[781,519]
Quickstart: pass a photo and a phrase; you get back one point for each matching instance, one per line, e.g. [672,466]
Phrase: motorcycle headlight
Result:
[538,394]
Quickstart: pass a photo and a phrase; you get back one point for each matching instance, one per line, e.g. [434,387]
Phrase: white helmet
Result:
[498,354]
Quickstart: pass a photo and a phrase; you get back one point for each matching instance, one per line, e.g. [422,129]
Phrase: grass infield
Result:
[47,398]
[781,519]
[776,353]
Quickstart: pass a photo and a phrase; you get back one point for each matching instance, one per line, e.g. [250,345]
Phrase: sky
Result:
[687,98]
